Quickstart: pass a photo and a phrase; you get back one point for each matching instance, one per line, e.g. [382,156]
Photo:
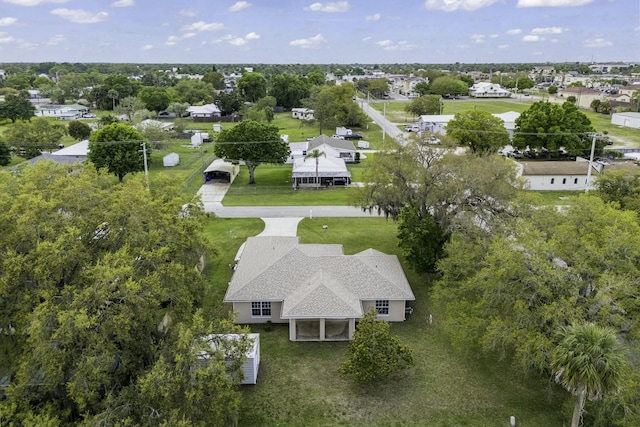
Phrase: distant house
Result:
[437,123]
[629,90]
[488,90]
[630,120]
[584,95]
[76,153]
[558,175]
[317,289]
[332,147]
[302,113]
[204,113]
[63,112]
[166,126]
[331,171]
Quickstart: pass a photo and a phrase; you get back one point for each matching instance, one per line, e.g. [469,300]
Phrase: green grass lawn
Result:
[556,197]
[298,383]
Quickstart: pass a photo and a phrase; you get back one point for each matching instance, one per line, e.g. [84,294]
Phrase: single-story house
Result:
[629,90]
[559,175]
[63,112]
[204,113]
[488,90]
[330,171]
[166,126]
[629,120]
[584,95]
[437,123]
[315,288]
[79,151]
[302,113]
[332,147]
[221,170]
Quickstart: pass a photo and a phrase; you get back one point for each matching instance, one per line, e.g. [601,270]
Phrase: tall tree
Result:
[129,106]
[289,90]
[316,154]
[228,103]
[425,104]
[252,142]
[324,103]
[102,276]
[252,86]
[16,107]
[5,154]
[79,130]
[32,138]
[421,239]
[118,148]
[479,130]
[193,92]
[154,98]
[553,126]
[375,353]
[448,86]
[215,79]
[589,362]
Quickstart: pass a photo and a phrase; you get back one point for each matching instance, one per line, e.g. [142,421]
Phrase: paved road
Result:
[389,128]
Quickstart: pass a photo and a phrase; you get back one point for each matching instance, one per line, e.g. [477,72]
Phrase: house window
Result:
[564,180]
[261,309]
[553,180]
[382,307]
[575,180]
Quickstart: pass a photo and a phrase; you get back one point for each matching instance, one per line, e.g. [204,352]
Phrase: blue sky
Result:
[304,31]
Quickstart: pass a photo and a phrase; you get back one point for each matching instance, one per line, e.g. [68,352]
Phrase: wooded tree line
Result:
[100,301]
[510,278]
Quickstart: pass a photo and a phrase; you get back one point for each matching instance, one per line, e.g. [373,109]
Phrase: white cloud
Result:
[374,17]
[390,45]
[123,3]
[532,38]
[171,40]
[453,5]
[33,2]
[514,31]
[503,46]
[366,38]
[598,42]
[238,41]
[203,26]
[80,16]
[6,38]
[493,36]
[252,36]
[147,47]
[478,38]
[5,22]
[310,43]
[238,6]
[188,13]
[547,30]
[552,3]
[27,45]
[56,39]
[338,6]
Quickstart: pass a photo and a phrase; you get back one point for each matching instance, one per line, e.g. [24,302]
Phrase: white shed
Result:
[630,120]
[171,159]
[196,140]
[252,364]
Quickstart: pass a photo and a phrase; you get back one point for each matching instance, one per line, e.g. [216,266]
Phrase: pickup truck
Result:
[353,136]
[412,128]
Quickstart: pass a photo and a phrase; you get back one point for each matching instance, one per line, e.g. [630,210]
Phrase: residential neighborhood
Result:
[329,213]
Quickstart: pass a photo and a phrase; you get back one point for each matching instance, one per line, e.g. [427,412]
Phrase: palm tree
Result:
[589,361]
[315,154]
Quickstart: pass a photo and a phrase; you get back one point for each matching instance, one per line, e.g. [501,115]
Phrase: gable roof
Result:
[327,167]
[315,280]
[79,149]
[556,168]
[342,144]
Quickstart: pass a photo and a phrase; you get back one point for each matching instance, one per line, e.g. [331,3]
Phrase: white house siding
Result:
[558,182]
[243,313]
[630,120]
[396,310]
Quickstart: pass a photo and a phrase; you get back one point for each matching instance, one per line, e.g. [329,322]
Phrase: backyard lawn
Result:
[298,383]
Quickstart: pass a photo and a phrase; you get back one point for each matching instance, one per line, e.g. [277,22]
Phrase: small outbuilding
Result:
[170,160]
[629,120]
[221,171]
[252,364]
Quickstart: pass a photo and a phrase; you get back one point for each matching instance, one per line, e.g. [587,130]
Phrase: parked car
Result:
[89,116]
[338,136]
[352,136]
[412,128]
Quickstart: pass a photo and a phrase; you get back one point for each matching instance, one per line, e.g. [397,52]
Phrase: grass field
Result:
[299,385]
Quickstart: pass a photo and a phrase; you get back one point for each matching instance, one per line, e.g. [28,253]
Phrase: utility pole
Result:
[384,122]
[593,148]
[146,168]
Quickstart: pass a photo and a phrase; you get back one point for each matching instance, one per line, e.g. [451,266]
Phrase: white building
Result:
[488,90]
[630,120]
[437,123]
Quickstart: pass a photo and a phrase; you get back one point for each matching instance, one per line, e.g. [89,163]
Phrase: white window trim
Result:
[382,305]
[264,305]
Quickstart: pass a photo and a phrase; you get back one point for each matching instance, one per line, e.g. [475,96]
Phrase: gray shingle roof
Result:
[315,280]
